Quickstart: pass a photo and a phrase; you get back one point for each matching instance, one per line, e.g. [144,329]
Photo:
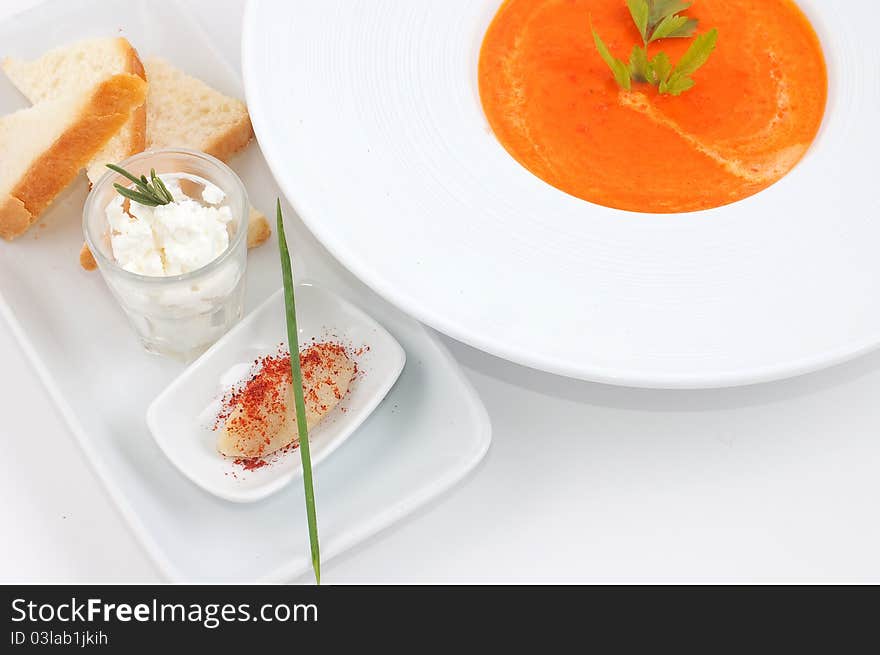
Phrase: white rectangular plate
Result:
[183,418]
[428,433]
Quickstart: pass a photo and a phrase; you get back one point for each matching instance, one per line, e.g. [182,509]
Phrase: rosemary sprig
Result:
[151,193]
[299,400]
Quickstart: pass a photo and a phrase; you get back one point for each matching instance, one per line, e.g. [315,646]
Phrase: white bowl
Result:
[182,417]
[439,219]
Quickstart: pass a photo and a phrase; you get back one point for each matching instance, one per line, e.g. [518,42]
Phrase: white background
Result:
[583,483]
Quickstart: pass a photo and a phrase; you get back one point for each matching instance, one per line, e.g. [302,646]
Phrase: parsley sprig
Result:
[655,20]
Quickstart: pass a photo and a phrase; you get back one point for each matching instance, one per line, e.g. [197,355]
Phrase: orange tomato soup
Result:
[554,105]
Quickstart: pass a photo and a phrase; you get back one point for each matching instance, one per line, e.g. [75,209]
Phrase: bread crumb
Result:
[258,229]
[87,259]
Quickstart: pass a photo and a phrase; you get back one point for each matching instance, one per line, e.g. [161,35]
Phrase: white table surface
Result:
[583,483]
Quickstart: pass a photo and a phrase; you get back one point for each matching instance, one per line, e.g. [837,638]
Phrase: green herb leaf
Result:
[660,9]
[660,68]
[669,26]
[299,400]
[677,85]
[160,186]
[140,182]
[697,55]
[638,64]
[686,30]
[139,198]
[639,11]
[618,68]
[151,194]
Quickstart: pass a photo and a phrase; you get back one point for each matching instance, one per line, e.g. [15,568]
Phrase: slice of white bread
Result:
[81,66]
[43,148]
[183,112]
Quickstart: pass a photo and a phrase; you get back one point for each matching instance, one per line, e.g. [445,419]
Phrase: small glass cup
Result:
[178,316]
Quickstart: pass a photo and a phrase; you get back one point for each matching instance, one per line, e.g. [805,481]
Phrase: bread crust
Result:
[101,117]
[14,217]
[138,122]
[135,66]
[87,259]
[232,141]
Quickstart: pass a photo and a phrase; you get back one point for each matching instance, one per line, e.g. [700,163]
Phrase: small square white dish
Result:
[182,418]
